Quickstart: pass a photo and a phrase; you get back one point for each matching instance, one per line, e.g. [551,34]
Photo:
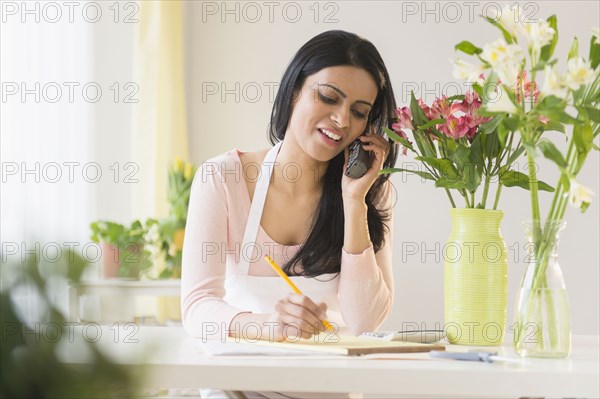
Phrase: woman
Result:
[293,202]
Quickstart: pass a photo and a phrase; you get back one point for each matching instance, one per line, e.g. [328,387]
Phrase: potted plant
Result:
[122,247]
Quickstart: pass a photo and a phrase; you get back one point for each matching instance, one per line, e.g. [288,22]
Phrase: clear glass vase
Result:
[542,325]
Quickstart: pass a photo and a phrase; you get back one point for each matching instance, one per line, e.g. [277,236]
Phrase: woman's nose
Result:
[341,117]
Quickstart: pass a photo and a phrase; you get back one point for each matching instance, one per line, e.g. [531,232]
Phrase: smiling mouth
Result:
[330,134]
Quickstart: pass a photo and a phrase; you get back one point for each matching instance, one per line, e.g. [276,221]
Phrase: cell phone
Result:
[359,160]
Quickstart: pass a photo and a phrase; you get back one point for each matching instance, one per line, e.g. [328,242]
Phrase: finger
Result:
[346,155]
[323,306]
[291,328]
[306,319]
[306,302]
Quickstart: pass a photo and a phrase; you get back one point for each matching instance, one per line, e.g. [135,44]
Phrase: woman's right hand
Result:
[295,316]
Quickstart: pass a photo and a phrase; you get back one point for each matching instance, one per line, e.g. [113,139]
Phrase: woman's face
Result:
[332,110]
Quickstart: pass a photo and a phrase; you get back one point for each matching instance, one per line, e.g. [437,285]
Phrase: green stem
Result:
[557,201]
[535,205]
[486,188]
[465,196]
[472,199]
[498,191]
[450,198]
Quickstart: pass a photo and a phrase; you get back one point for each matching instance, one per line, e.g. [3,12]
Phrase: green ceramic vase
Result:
[475,278]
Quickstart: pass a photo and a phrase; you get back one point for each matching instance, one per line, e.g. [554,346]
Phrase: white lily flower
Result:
[500,102]
[554,85]
[509,73]
[466,71]
[499,52]
[538,34]
[511,19]
[579,194]
[579,72]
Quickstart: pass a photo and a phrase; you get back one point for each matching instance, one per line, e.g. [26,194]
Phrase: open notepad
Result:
[324,343]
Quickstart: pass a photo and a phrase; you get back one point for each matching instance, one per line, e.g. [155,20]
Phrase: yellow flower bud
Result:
[187,174]
[178,165]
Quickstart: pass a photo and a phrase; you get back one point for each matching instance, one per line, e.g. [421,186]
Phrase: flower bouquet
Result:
[567,104]
[462,149]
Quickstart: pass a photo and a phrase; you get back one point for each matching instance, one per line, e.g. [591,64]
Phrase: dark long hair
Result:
[322,251]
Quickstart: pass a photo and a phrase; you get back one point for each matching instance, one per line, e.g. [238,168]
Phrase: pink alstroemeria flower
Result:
[404,122]
[404,119]
[543,119]
[429,112]
[443,107]
[529,88]
[456,127]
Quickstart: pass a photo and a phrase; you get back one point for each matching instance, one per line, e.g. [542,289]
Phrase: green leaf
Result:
[574,50]
[502,134]
[418,115]
[552,153]
[424,175]
[461,155]
[396,137]
[471,176]
[593,113]
[423,144]
[431,123]
[457,97]
[584,206]
[516,154]
[476,155]
[491,145]
[548,50]
[450,183]
[554,126]
[507,36]
[511,123]
[541,65]
[468,48]
[490,127]
[513,178]
[478,89]
[594,52]
[443,165]
[583,136]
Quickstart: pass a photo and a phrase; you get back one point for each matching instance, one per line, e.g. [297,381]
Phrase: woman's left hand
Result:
[379,148]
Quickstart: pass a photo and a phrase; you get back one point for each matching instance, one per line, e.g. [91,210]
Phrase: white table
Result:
[177,361]
[116,286]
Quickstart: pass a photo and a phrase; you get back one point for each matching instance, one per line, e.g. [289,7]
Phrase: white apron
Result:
[259,294]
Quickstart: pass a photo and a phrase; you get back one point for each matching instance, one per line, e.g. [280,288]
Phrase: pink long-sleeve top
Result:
[218,212]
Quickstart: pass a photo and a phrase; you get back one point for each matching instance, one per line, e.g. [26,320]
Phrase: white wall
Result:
[416,46]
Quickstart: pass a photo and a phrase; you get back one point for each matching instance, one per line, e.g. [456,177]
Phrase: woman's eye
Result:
[326,100]
[359,115]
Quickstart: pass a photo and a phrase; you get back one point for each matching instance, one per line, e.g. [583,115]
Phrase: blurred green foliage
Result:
[30,366]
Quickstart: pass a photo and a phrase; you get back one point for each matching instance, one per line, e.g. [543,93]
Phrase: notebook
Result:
[325,343]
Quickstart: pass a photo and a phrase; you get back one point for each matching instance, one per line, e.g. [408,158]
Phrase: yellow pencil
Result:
[291,284]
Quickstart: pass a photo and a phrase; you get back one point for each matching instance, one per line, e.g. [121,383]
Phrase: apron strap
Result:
[256,210]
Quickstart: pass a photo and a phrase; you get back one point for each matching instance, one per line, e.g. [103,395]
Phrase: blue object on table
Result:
[487,357]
